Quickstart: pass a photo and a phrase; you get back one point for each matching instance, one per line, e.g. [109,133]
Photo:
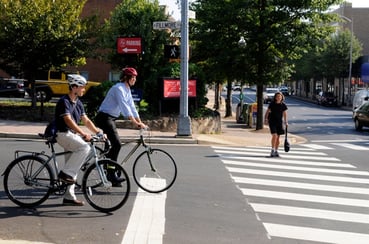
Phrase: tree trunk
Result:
[260,115]
[216,96]
[228,111]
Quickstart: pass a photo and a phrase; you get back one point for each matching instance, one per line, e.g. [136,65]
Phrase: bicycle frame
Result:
[55,166]
[140,141]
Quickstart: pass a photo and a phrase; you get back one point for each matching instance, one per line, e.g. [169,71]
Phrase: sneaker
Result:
[68,202]
[276,154]
[272,154]
[63,177]
[114,179]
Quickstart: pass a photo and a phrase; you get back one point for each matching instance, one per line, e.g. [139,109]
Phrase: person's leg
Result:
[79,148]
[107,124]
[280,131]
[273,131]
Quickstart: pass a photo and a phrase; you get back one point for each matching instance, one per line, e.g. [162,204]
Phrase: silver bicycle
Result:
[32,176]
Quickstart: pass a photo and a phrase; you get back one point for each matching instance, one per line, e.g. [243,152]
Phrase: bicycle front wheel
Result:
[154,170]
[28,181]
[105,197]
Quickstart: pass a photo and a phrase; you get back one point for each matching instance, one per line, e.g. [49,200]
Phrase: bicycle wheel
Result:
[154,171]
[101,197]
[28,181]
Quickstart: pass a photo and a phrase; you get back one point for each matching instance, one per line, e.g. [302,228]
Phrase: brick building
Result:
[95,70]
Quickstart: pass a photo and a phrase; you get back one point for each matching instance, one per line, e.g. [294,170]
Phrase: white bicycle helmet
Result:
[77,80]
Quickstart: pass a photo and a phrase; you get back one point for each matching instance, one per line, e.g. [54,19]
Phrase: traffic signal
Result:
[172,51]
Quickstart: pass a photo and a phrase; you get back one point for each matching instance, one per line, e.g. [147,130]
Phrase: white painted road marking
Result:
[314,234]
[147,221]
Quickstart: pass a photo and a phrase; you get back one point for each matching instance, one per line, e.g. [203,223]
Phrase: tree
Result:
[135,19]
[329,58]
[40,34]
[276,32]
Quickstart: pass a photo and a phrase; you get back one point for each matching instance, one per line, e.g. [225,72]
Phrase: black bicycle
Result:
[154,170]
[32,176]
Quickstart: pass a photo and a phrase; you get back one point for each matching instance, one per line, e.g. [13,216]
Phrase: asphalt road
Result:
[316,193]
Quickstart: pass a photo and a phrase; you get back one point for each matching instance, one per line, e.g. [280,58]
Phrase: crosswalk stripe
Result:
[340,141]
[298,185]
[311,213]
[351,146]
[305,197]
[317,146]
[248,150]
[147,221]
[314,234]
[299,168]
[265,181]
[299,175]
[291,161]
[253,148]
[284,156]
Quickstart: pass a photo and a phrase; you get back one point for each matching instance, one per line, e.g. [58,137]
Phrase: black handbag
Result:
[286,142]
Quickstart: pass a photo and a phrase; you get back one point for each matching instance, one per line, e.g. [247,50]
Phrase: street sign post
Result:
[129,45]
[162,25]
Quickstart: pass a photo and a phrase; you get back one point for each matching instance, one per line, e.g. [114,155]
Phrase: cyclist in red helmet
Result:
[118,101]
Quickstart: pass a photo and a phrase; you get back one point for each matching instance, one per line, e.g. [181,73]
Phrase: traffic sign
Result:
[162,25]
[172,51]
[128,45]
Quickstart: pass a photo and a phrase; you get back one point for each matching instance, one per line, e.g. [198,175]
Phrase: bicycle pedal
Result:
[60,188]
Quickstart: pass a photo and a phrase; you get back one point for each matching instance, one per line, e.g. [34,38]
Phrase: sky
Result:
[177,12]
[359,3]
[172,8]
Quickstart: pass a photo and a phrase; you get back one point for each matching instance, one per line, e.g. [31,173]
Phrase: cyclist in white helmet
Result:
[69,112]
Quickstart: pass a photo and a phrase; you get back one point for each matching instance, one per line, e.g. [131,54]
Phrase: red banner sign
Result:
[127,45]
[172,88]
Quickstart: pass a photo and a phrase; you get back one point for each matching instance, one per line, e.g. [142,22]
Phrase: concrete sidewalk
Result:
[232,132]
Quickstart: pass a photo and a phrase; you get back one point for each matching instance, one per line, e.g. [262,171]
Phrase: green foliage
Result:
[331,59]
[95,96]
[275,32]
[134,19]
[39,34]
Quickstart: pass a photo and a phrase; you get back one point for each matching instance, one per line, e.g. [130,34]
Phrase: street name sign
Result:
[162,25]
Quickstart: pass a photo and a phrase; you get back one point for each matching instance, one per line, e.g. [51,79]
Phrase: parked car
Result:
[269,94]
[361,116]
[285,91]
[12,87]
[326,99]
[360,97]
[236,88]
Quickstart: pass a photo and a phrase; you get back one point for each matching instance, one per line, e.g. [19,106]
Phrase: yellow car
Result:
[55,86]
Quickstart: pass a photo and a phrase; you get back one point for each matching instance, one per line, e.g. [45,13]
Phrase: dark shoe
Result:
[114,179]
[67,202]
[63,177]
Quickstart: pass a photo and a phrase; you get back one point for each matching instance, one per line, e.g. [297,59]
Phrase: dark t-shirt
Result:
[276,112]
[66,106]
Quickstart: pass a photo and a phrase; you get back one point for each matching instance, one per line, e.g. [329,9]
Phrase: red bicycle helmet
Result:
[129,71]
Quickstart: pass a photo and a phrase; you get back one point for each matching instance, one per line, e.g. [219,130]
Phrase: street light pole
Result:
[184,121]
[350,65]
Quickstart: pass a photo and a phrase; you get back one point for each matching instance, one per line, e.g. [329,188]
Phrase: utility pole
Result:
[184,121]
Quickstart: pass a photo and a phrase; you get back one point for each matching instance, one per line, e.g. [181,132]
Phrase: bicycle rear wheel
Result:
[103,197]
[154,170]
[28,181]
